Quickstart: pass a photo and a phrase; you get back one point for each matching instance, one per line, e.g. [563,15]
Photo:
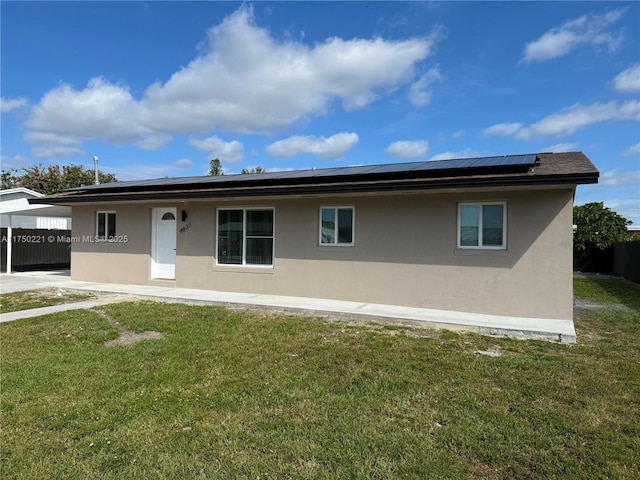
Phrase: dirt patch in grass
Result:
[382,325]
[492,351]
[127,337]
[580,303]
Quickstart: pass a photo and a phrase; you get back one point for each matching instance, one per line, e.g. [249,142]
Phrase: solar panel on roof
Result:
[183,180]
[354,170]
[509,160]
[443,165]
[432,165]
[527,159]
[292,173]
[490,162]
[278,174]
[328,172]
[389,168]
[299,174]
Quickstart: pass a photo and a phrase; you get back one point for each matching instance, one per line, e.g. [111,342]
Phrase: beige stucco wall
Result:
[404,254]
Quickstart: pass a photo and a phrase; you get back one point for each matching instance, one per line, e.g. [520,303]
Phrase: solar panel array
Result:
[432,165]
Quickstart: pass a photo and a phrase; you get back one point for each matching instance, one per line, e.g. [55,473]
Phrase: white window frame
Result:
[107,213]
[244,237]
[353,226]
[480,246]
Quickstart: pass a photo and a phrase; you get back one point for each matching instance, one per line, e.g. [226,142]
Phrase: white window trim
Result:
[353,226]
[108,212]
[480,246]
[244,238]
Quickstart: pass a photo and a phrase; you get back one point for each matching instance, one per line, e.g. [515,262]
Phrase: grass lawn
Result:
[12,302]
[236,395]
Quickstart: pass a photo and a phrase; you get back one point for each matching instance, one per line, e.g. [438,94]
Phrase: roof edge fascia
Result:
[335,188]
[8,191]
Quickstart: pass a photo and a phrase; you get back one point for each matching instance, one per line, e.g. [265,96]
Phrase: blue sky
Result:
[159,88]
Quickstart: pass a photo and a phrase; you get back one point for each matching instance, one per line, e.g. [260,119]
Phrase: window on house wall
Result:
[245,237]
[482,225]
[336,225]
[106,225]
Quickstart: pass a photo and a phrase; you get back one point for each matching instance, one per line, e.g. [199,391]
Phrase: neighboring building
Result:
[633,232]
[489,236]
[17,199]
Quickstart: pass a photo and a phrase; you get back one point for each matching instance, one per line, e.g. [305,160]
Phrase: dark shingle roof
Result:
[543,168]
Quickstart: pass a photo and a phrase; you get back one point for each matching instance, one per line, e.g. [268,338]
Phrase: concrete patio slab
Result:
[19,282]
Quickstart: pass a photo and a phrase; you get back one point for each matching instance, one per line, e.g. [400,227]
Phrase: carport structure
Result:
[55,211]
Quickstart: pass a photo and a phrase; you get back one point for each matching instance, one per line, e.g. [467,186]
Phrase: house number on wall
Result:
[186,227]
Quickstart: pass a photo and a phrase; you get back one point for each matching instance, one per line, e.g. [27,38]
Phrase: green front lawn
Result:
[12,302]
[239,395]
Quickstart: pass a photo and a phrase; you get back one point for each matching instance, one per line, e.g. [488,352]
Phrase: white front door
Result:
[163,243]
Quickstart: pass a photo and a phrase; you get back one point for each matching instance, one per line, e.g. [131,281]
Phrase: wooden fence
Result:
[36,249]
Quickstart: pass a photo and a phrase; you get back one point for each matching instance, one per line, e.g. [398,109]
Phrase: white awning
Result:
[38,211]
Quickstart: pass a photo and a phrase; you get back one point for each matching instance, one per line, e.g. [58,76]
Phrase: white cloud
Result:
[588,29]
[333,147]
[183,163]
[278,169]
[632,150]
[247,81]
[66,117]
[50,145]
[10,104]
[420,91]
[16,161]
[230,152]
[616,178]
[100,111]
[628,81]
[408,149]
[144,172]
[505,129]
[561,147]
[457,134]
[465,153]
[628,208]
[154,141]
[569,120]
[244,80]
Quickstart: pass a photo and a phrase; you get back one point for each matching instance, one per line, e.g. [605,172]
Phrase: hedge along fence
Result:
[621,259]
[36,249]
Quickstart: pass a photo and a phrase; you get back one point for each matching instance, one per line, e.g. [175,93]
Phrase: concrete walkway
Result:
[36,312]
[516,327]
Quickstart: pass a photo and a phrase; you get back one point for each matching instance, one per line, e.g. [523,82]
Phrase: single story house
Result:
[489,236]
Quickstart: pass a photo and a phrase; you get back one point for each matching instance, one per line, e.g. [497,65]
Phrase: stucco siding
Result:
[404,254]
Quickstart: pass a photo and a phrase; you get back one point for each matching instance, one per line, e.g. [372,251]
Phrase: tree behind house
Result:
[52,179]
[258,169]
[597,226]
[215,168]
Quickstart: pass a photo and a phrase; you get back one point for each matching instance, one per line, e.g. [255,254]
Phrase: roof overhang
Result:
[540,170]
[38,211]
[26,191]
[340,188]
